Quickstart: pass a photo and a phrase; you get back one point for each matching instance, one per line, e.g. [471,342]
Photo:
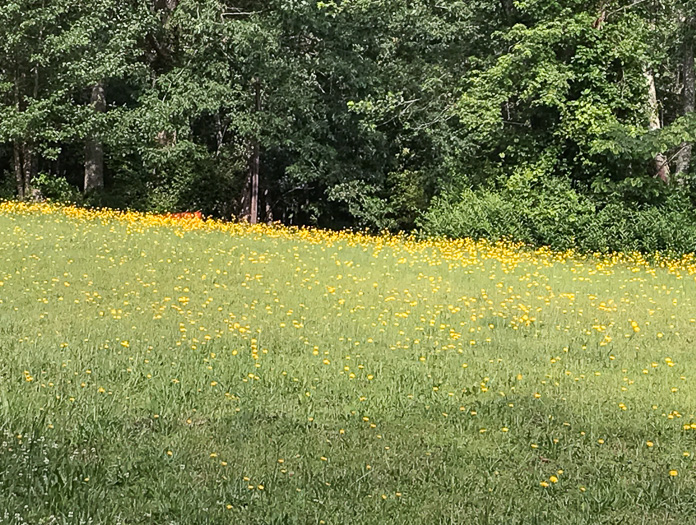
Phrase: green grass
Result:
[155,375]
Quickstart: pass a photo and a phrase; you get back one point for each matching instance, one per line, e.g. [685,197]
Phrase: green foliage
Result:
[555,214]
[563,85]
[50,52]
[7,187]
[542,212]
[56,189]
[669,228]
[409,194]
[361,111]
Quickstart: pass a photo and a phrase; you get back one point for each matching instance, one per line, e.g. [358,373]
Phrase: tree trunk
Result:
[94,148]
[507,8]
[249,204]
[683,159]
[661,162]
[26,167]
[19,170]
[19,146]
[245,201]
[219,134]
[255,163]
[254,202]
[166,7]
[269,209]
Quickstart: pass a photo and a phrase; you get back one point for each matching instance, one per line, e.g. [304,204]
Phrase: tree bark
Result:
[269,209]
[219,134]
[661,162]
[245,201]
[507,8]
[26,167]
[249,204]
[599,23]
[31,167]
[254,204]
[166,7]
[94,148]
[19,170]
[683,159]
[19,144]
[255,163]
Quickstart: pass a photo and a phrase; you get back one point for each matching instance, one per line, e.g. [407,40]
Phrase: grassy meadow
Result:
[159,371]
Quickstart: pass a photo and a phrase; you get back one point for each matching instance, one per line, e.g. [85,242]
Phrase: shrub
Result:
[556,215]
[56,189]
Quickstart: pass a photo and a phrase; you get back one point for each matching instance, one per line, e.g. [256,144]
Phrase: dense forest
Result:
[560,122]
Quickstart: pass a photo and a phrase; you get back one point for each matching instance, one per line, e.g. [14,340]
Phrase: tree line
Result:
[361,113]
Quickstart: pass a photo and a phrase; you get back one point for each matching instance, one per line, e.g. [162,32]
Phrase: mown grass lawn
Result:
[156,371]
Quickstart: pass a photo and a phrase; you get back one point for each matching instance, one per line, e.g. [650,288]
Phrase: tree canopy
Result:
[361,113]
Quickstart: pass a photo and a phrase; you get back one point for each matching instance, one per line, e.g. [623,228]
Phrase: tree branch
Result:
[624,8]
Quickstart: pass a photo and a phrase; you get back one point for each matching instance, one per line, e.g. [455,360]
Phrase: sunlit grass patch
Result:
[160,370]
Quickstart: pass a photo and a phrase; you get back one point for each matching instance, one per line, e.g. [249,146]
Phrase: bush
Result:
[554,214]
[56,189]
[476,214]
[669,227]
[181,177]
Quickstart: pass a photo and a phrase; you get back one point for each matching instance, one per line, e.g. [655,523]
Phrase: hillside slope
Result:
[157,370]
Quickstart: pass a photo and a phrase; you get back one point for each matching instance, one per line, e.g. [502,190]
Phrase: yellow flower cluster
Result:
[509,253]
